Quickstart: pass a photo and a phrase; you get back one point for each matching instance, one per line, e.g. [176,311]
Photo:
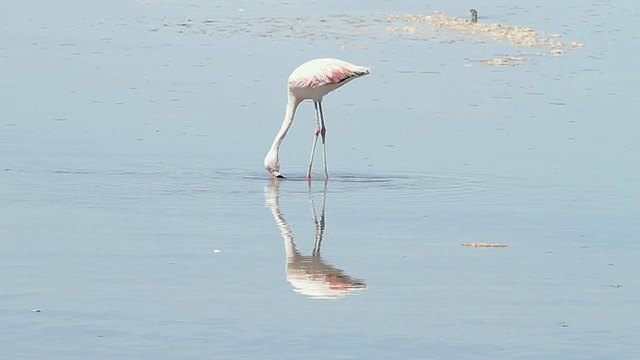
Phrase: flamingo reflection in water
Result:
[309,275]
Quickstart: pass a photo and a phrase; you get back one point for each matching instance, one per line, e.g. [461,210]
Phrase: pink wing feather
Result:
[320,72]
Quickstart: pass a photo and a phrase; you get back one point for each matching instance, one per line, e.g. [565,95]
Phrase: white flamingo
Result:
[311,80]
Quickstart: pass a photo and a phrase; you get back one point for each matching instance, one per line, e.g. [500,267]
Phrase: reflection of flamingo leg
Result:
[319,224]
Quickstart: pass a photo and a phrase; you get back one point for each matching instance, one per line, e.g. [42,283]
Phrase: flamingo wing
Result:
[321,72]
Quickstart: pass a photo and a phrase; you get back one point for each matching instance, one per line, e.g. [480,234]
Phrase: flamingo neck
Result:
[292,104]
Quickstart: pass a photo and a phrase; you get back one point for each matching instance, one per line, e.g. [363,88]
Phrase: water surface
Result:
[137,220]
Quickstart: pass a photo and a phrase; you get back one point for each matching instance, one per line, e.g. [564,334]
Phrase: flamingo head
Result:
[272,165]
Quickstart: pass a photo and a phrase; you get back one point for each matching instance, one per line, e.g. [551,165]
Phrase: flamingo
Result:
[311,80]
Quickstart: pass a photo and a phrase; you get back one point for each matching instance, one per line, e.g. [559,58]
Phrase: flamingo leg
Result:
[315,140]
[323,131]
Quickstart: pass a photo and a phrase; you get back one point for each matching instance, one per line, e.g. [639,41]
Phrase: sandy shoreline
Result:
[354,32]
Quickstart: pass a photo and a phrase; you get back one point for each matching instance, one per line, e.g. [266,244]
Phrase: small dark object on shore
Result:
[474,15]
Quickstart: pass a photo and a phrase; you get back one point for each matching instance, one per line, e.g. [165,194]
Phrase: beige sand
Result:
[466,29]
[351,32]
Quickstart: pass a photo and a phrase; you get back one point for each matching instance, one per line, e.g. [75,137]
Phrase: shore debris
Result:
[484,245]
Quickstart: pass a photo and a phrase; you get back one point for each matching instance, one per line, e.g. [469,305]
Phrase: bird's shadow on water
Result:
[310,275]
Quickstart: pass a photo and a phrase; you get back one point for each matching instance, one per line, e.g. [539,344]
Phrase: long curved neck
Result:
[292,104]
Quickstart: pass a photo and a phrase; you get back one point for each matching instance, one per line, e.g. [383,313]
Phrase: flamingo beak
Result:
[276,174]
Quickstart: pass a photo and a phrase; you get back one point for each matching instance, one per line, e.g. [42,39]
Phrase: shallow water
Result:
[138,220]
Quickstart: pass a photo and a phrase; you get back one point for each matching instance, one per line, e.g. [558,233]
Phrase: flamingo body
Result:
[311,80]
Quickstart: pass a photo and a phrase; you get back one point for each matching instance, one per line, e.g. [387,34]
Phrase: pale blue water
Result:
[137,218]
